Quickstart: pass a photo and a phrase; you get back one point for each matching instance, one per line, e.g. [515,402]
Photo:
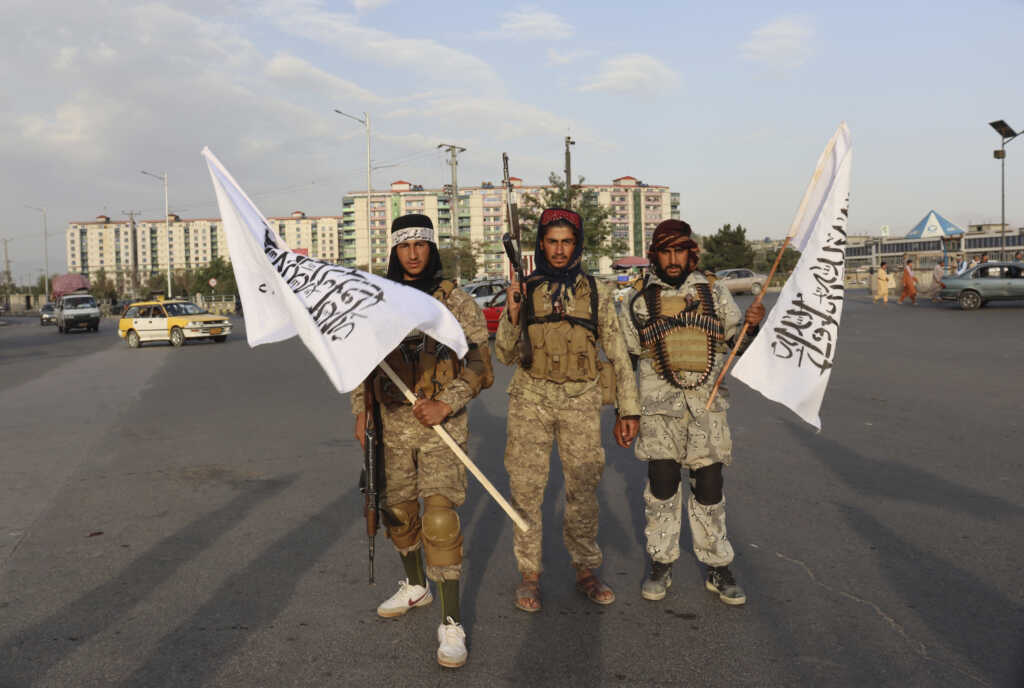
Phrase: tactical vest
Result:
[679,336]
[565,343]
[422,363]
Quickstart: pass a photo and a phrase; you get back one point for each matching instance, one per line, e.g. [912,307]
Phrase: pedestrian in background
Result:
[909,283]
[1018,257]
[882,284]
[937,273]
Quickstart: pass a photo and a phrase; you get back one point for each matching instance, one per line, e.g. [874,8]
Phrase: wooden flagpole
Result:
[453,445]
[746,326]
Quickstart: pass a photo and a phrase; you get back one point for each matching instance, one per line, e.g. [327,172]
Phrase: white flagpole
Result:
[453,445]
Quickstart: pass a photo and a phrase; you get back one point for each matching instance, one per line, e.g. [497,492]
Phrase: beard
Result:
[680,277]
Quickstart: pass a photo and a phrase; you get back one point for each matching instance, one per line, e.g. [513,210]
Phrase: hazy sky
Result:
[728,103]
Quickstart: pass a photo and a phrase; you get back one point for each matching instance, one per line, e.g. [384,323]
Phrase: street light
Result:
[1008,134]
[365,121]
[46,255]
[167,227]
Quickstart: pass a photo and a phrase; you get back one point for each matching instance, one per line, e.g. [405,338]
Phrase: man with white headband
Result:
[417,464]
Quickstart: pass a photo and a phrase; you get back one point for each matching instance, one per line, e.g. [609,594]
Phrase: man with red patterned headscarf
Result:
[681,326]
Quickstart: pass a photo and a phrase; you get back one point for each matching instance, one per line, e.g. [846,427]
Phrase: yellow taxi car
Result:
[170,321]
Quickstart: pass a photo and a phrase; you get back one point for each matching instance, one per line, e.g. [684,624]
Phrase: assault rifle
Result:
[372,469]
[514,250]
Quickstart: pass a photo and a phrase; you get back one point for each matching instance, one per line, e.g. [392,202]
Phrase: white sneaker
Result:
[407,597]
[451,639]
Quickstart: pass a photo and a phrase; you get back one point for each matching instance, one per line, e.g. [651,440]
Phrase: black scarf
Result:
[562,279]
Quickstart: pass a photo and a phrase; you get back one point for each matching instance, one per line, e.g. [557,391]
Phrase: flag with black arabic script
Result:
[790,361]
[349,319]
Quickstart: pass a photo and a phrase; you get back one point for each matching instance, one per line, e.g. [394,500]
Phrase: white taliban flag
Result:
[791,358]
[350,320]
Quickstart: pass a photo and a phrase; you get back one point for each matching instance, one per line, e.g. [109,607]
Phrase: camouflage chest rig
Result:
[680,334]
[422,363]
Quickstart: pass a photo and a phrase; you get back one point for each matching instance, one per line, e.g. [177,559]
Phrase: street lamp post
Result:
[167,228]
[46,255]
[1008,134]
[365,121]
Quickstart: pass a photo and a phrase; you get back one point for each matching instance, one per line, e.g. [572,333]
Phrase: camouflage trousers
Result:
[696,441]
[418,464]
[707,529]
[576,426]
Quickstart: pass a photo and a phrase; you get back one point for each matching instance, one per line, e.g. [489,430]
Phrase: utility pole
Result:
[46,255]
[568,172]
[453,152]
[133,237]
[167,228]
[365,121]
[7,270]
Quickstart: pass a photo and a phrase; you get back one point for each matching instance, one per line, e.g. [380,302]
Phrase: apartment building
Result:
[636,209]
[130,251]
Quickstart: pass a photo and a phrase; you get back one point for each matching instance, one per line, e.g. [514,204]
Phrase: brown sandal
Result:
[526,592]
[596,591]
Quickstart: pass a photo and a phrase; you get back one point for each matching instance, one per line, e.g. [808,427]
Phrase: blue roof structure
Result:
[934,225]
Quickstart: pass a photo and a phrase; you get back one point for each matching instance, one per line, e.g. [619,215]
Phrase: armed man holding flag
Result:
[417,465]
[680,326]
[558,395]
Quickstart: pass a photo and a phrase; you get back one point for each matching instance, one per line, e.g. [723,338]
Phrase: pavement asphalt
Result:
[190,517]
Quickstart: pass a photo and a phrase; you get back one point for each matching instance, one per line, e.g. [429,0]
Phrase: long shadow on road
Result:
[26,656]
[225,621]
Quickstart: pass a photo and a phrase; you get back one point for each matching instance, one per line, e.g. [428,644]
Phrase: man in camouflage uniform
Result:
[417,463]
[681,327]
[557,395]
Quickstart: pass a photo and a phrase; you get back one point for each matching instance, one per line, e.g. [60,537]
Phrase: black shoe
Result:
[721,581]
[658,583]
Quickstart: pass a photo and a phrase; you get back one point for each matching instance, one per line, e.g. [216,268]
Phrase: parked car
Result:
[170,321]
[742,280]
[984,283]
[77,309]
[47,315]
[482,291]
[493,310]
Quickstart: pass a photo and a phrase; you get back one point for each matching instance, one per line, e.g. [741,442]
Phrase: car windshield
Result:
[80,302]
[183,309]
[48,308]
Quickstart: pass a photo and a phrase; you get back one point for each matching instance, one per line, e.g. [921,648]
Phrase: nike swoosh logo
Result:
[413,602]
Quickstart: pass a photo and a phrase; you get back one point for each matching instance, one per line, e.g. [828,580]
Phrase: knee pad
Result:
[442,534]
[404,524]
[706,484]
[664,475]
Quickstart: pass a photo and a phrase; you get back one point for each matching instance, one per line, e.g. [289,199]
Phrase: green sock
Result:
[449,591]
[413,563]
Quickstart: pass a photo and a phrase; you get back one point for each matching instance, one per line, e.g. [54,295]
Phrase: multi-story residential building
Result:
[636,209]
[318,237]
[130,252]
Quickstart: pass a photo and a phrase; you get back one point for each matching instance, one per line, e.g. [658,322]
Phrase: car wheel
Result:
[133,340]
[220,338]
[755,289]
[970,300]
[177,337]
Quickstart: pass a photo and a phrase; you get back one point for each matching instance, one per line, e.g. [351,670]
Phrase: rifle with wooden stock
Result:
[514,250]
[369,482]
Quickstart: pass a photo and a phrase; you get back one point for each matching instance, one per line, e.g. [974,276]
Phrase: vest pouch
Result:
[539,367]
[583,364]
[556,346]
[606,380]
[385,390]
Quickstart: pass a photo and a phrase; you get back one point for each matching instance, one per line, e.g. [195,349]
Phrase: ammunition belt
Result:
[652,333]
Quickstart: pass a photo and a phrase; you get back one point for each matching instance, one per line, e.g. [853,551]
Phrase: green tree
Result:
[597,231]
[763,261]
[469,257]
[102,287]
[727,248]
[218,269]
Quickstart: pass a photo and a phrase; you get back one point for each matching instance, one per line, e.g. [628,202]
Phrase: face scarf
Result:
[668,234]
[562,279]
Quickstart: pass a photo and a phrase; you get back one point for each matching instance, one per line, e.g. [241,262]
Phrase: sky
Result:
[727,103]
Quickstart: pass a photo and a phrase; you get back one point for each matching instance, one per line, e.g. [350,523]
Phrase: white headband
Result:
[412,234]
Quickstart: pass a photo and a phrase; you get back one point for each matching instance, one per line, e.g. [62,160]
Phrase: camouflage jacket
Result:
[609,336]
[458,392]
[658,396]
